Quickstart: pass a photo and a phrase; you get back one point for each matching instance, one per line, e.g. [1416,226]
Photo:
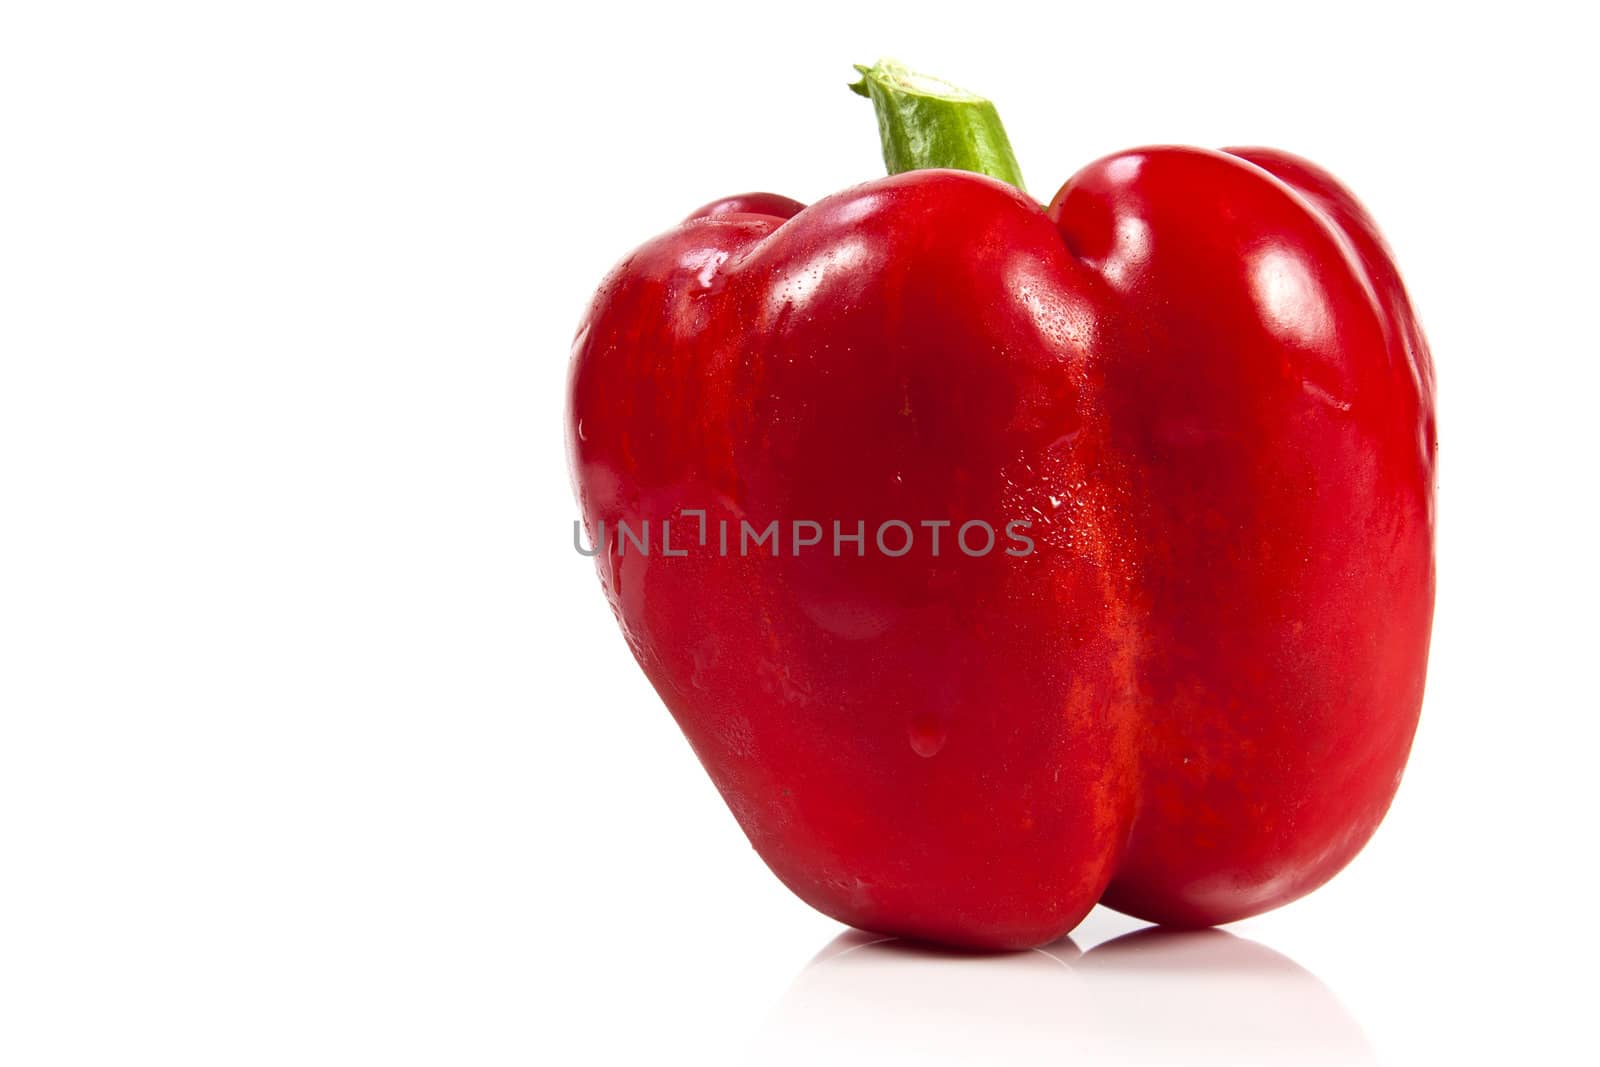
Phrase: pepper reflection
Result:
[1153,996]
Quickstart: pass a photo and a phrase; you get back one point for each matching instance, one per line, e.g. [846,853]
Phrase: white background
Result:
[317,741]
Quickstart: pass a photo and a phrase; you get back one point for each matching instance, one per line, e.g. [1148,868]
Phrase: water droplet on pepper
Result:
[927,735]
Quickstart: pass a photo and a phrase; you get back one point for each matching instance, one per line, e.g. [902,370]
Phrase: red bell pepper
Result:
[1190,403]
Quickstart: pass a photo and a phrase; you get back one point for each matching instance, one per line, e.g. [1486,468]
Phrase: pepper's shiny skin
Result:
[1196,374]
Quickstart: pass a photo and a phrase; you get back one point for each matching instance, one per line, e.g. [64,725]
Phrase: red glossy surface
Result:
[1196,375]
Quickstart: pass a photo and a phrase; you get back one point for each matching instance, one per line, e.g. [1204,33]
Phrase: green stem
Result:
[926,122]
